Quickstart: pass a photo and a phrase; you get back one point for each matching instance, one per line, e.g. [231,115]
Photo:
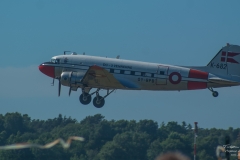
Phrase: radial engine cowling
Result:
[72,78]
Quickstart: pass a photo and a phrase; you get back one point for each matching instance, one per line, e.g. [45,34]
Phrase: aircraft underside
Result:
[98,101]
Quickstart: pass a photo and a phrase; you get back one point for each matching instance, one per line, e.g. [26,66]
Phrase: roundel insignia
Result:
[174,80]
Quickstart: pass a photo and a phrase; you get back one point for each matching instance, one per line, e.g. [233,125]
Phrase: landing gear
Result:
[214,93]
[98,102]
[85,98]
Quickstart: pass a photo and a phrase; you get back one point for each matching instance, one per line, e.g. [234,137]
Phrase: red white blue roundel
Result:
[175,77]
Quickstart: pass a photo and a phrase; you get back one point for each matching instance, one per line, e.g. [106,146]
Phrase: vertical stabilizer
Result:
[227,61]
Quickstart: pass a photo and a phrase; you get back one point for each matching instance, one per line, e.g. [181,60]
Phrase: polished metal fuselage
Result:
[135,75]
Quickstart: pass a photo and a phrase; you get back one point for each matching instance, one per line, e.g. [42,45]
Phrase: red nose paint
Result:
[48,70]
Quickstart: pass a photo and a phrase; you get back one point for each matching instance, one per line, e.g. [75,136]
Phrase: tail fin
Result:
[227,61]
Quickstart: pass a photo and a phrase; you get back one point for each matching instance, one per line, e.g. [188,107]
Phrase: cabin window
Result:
[116,71]
[138,73]
[127,72]
[148,74]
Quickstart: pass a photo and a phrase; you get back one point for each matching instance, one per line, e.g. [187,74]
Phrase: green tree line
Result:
[107,139]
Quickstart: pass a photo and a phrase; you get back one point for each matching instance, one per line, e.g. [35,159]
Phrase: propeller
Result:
[52,84]
[70,89]
[59,87]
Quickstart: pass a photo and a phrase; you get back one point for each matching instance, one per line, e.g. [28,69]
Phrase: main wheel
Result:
[98,102]
[86,99]
[215,94]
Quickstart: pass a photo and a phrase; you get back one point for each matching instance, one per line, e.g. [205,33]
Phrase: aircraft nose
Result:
[47,70]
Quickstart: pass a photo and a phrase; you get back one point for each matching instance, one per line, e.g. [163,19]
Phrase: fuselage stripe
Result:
[198,74]
[196,85]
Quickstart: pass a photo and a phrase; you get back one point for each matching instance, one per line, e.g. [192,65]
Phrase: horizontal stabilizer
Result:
[222,81]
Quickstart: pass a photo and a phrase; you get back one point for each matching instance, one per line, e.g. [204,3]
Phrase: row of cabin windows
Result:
[144,74]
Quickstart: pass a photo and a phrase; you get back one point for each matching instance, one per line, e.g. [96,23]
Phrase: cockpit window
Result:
[55,61]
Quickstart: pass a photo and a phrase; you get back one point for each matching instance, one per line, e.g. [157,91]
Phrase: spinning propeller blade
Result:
[53,82]
[59,88]
[70,89]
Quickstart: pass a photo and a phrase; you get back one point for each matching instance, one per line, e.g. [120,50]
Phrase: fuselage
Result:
[91,72]
[134,75]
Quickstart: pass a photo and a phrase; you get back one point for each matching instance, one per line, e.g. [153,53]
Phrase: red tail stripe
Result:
[223,53]
[232,54]
[223,59]
[197,85]
[197,74]
[231,60]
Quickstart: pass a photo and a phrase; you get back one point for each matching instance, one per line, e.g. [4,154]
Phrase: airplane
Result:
[91,72]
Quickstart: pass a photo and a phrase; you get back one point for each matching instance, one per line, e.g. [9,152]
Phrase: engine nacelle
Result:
[72,79]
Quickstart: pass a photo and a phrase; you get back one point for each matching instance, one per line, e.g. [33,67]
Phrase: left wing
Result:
[99,77]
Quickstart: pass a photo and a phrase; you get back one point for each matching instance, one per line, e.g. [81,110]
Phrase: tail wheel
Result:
[215,94]
[98,102]
[86,99]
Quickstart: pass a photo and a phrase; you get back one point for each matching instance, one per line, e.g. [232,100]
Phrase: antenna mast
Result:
[195,139]
[65,52]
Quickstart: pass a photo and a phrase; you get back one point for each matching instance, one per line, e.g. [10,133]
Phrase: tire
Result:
[215,94]
[85,100]
[98,103]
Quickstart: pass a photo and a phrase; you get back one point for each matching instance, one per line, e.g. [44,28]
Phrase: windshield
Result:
[54,60]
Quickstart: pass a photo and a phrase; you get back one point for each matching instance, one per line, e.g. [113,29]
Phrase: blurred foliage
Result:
[107,140]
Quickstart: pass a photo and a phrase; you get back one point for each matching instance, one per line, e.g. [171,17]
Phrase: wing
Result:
[98,77]
[223,81]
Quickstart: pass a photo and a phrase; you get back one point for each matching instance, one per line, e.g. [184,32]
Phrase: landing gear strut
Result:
[214,93]
[99,101]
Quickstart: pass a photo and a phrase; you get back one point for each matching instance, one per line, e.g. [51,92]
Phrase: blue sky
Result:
[172,32]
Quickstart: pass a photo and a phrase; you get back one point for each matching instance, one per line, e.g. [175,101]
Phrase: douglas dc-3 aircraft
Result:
[88,72]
